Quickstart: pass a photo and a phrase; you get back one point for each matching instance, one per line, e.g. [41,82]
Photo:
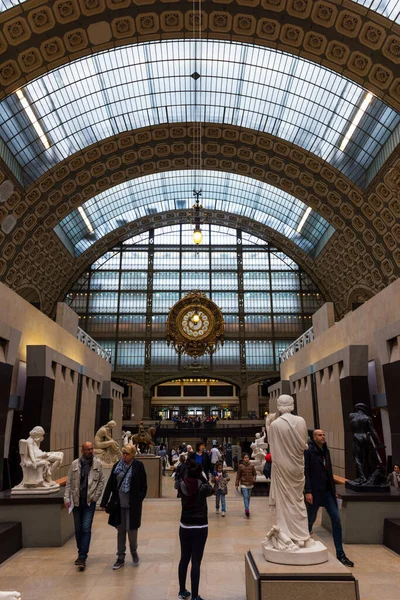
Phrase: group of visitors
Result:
[122,500]
[182,422]
[198,475]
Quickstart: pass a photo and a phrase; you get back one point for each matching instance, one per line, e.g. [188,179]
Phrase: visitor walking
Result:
[320,489]
[245,478]
[220,480]
[193,529]
[394,477]
[215,457]
[83,489]
[122,499]
[163,453]
[201,457]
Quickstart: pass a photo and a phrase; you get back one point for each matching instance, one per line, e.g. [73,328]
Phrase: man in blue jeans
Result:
[320,489]
[83,489]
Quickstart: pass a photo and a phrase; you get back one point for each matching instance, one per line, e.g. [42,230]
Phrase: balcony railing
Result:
[88,341]
[297,345]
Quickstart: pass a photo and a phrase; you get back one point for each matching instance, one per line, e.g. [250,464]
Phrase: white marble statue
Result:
[10,596]
[126,437]
[38,467]
[105,448]
[259,448]
[287,436]
[279,540]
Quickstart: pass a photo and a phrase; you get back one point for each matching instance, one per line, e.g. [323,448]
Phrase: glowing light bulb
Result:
[195,318]
[197,237]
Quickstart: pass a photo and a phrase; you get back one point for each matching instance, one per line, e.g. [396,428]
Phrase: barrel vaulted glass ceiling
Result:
[148,84]
[388,8]
[226,192]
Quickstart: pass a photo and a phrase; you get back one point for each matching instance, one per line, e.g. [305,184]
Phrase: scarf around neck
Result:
[122,467]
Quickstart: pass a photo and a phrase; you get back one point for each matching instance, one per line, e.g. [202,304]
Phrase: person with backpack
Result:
[220,480]
[193,530]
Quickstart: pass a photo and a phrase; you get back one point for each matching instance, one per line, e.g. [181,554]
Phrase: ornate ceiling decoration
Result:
[195,325]
[349,39]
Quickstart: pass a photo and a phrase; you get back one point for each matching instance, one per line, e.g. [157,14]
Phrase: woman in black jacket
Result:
[193,531]
[126,488]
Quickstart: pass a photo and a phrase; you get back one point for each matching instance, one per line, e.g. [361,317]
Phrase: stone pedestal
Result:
[363,514]
[269,581]
[314,555]
[152,464]
[44,520]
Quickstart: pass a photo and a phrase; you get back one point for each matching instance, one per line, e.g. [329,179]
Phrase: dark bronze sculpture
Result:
[369,466]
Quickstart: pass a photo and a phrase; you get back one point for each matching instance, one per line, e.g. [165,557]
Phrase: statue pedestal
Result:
[44,520]
[20,490]
[152,465]
[363,514]
[314,555]
[270,581]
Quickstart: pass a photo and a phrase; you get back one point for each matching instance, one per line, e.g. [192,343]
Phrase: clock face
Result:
[195,324]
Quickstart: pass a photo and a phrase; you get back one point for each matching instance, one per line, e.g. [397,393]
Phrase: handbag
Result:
[113,505]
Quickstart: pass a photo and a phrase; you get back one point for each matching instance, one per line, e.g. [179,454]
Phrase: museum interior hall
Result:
[199,273]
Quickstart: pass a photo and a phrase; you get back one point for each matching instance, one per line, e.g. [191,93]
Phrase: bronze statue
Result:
[143,439]
[369,465]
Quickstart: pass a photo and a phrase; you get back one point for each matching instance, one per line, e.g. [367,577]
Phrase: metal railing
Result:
[297,345]
[88,341]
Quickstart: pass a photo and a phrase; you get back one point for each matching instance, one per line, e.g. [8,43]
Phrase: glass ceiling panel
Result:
[388,8]
[226,192]
[141,85]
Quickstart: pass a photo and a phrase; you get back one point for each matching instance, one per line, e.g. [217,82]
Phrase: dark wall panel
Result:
[38,407]
[391,375]
[5,386]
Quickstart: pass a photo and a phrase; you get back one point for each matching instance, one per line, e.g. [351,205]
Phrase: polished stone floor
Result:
[47,573]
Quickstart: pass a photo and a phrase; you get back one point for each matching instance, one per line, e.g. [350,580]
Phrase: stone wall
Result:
[48,378]
[332,373]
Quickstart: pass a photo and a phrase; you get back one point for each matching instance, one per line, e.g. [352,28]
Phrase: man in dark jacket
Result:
[320,489]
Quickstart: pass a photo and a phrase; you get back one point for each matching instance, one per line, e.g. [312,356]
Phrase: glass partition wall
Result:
[124,298]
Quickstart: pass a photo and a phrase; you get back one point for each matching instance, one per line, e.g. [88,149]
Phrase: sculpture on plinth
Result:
[288,541]
[38,467]
[369,466]
[259,448]
[143,439]
[105,447]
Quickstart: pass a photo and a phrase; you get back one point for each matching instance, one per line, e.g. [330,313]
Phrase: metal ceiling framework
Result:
[363,46]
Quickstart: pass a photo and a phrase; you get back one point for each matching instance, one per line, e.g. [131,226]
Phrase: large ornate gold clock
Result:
[195,325]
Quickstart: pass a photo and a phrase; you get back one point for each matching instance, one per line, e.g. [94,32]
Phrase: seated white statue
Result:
[105,447]
[38,467]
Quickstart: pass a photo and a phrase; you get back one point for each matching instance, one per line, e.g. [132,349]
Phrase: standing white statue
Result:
[126,437]
[259,447]
[289,542]
[38,467]
[105,448]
